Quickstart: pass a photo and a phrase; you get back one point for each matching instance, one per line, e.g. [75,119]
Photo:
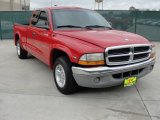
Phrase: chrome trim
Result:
[18,49]
[109,70]
[121,55]
[60,76]
[101,77]
[149,51]
[130,54]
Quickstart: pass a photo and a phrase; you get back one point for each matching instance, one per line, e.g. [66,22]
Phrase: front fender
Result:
[74,48]
[67,50]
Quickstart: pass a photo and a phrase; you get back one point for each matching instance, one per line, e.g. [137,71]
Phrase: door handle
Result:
[33,34]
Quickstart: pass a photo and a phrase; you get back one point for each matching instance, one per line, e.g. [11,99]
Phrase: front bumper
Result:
[101,77]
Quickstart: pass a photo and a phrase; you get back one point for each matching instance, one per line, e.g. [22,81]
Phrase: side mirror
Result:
[34,21]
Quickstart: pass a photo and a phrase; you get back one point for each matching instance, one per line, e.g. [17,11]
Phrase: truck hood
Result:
[105,38]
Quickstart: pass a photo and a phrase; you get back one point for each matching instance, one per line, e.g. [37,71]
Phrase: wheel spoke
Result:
[60,76]
[18,49]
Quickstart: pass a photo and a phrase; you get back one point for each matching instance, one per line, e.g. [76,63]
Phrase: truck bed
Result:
[22,30]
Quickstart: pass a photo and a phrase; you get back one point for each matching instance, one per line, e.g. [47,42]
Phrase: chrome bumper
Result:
[100,77]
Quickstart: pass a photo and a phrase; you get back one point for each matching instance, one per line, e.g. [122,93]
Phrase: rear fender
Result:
[16,36]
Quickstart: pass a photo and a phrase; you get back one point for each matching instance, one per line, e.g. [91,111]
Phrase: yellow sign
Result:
[130,81]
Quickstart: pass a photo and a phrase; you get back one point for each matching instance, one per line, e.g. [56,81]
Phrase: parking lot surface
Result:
[28,92]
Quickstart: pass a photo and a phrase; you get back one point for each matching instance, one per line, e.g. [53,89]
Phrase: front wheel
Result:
[63,76]
[22,54]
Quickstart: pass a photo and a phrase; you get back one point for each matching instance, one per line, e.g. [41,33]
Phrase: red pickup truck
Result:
[83,49]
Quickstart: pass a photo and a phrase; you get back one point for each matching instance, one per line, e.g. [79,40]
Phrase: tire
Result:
[22,54]
[63,77]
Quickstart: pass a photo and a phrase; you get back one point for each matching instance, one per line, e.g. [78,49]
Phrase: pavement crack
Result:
[132,113]
[145,104]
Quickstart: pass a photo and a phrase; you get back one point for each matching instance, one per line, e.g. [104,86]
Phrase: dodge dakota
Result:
[83,49]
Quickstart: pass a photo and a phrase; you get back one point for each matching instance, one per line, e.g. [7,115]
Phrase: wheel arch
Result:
[56,52]
[16,38]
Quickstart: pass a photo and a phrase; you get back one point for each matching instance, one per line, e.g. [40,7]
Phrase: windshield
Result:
[78,18]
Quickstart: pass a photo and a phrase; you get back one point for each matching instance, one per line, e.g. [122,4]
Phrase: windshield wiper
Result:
[87,27]
[68,26]
[96,26]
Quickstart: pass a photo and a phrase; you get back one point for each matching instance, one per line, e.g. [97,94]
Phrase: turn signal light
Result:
[91,62]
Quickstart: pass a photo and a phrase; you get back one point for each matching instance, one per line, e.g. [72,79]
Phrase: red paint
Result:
[72,42]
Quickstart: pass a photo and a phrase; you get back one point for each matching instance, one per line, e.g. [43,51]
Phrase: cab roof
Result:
[61,7]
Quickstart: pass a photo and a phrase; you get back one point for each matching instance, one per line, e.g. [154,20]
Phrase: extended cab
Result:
[83,49]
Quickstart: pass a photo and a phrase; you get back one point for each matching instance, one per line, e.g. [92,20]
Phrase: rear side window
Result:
[35,17]
[40,20]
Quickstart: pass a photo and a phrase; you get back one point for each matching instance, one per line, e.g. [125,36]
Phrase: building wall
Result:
[14,5]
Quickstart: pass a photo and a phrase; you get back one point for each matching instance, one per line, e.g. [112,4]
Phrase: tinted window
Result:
[42,20]
[35,17]
[78,17]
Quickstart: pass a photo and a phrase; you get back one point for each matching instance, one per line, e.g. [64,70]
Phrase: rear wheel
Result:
[63,76]
[22,54]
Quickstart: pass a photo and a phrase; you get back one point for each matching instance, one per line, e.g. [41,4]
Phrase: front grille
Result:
[141,49]
[128,74]
[119,51]
[141,56]
[119,59]
[127,54]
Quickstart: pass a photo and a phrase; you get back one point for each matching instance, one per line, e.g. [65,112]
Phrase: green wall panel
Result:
[145,23]
[8,18]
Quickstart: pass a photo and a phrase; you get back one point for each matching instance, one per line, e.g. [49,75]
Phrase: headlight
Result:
[92,59]
[153,53]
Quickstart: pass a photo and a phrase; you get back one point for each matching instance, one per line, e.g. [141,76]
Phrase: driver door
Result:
[40,34]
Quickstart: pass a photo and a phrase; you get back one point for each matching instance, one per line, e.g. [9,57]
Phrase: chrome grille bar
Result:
[127,54]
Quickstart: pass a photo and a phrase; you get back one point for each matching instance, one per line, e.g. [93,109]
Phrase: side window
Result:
[41,20]
[35,17]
